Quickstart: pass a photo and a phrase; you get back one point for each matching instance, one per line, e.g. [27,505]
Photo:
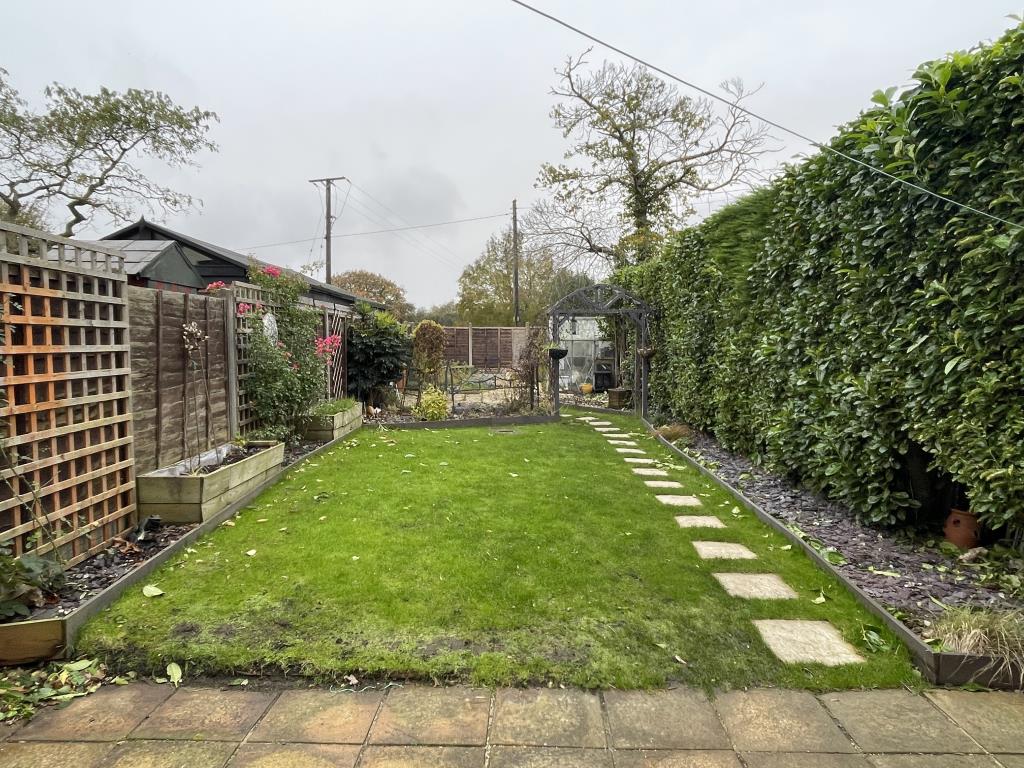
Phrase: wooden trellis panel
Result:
[66,408]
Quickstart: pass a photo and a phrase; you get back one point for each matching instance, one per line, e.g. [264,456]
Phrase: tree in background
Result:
[370,285]
[485,286]
[442,314]
[640,152]
[81,154]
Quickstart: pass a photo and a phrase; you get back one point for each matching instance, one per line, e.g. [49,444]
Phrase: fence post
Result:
[470,345]
[231,363]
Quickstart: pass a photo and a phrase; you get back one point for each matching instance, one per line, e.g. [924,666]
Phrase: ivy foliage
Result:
[379,349]
[850,329]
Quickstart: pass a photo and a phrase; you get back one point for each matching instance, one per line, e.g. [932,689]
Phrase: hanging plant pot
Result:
[645,352]
[557,353]
[962,529]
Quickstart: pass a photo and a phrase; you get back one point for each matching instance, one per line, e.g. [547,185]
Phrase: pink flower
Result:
[244,308]
[216,285]
[327,346]
[272,271]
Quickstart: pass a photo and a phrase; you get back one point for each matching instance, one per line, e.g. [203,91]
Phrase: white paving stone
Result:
[600,423]
[638,460]
[797,641]
[584,418]
[659,483]
[650,472]
[678,501]
[756,586]
[631,450]
[699,521]
[622,442]
[607,429]
[722,550]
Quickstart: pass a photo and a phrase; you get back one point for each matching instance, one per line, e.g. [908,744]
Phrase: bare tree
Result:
[640,153]
[80,154]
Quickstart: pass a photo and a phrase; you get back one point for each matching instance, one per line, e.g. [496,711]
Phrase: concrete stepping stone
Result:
[584,418]
[678,501]
[637,460]
[756,586]
[659,483]
[630,450]
[631,443]
[699,521]
[798,641]
[650,472]
[722,550]
[607,429]
[600,423]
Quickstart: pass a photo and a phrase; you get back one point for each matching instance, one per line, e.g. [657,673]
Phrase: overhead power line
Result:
[779,126]
[381,231]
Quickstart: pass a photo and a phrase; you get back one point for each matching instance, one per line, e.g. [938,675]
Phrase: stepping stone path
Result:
[622,442]
[722,550]
[756,586]
[600,423]
[584,418]
[635,460]
[607,429]
[699,521]
[806,642]
[659,483]
[630,450]
[650,472]
[678,501]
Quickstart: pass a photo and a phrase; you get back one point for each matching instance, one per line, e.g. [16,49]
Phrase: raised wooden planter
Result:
[181,498]
[619,398]
[336,425]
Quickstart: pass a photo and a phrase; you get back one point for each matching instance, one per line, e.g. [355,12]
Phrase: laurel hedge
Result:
[849,329]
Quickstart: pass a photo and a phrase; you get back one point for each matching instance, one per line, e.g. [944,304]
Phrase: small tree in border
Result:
[378,352]
[428,350]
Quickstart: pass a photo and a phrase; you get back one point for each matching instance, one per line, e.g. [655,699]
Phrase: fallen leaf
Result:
[239,681]
[174,674]
[680,660]
[152,591]
[251,553]
[820,598]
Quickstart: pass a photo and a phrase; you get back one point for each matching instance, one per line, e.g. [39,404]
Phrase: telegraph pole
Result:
[327,182]
[515,264]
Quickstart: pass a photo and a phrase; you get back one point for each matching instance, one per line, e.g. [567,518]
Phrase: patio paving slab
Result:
[932,761]
[205,713]
[804,760]
[319,716]
[661,483]
[676,759]
[756,586]
[795,641]
[994,719]
[419,714]
[698,521]
[110,714]
[295,756]
[674,500]
[547,717]
[779,721]
[549,757]
[650,472]
[722,550]
[675,719]
[169,754]
[422,757]
[896,721]
[53,755]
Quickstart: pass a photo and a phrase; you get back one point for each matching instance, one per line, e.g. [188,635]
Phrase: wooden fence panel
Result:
[484,347]
[166,431]
[68,473]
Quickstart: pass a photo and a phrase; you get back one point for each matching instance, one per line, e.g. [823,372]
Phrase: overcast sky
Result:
[439,109]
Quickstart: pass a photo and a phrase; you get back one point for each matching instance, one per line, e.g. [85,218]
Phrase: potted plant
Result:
[586,388]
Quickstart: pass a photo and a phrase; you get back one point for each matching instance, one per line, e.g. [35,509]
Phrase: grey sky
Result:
[440,109]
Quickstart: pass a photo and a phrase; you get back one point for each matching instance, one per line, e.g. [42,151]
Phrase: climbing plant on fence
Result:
[877,328]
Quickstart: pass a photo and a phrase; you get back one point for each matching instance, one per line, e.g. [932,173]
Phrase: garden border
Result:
[938,667]
[67,627]
[487,421]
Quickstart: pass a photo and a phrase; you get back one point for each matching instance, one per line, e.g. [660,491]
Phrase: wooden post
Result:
[231,363]
[471,346]
[159,437]
[206,367]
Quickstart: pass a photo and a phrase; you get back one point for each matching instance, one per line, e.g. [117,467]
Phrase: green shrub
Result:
[861,324]
[332,407]
[433,405]
[428,350]
[378,352]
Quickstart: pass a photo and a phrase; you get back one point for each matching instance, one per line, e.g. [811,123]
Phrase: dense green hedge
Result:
[878,329]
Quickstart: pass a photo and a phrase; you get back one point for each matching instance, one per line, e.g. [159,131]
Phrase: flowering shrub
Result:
[287,376]
[327,346]
[216,285]
[433,405]
[243,308]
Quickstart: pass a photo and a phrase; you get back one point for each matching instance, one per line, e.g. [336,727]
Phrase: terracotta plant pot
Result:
[586,389]
[962,529]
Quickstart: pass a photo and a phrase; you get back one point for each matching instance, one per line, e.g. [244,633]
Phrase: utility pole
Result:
[515,264]
[327,182]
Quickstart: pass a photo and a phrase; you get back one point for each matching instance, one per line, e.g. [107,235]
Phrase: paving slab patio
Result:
[424,715]
[423,757]
[109,714]
[676,759]
[205,713]
[674,719]
[295,756]
[319,717]
[549,757]
[896,721]
[169,754]
[779,721]
[546,717]
[803,760]
[933,761]
[994,719]
[26,754]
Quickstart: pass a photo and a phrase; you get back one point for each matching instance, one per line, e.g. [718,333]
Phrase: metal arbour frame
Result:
[604,300]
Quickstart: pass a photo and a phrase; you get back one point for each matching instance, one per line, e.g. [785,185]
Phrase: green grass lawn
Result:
[524,555]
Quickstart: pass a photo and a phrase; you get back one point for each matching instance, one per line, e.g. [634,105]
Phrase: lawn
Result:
[520,555]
